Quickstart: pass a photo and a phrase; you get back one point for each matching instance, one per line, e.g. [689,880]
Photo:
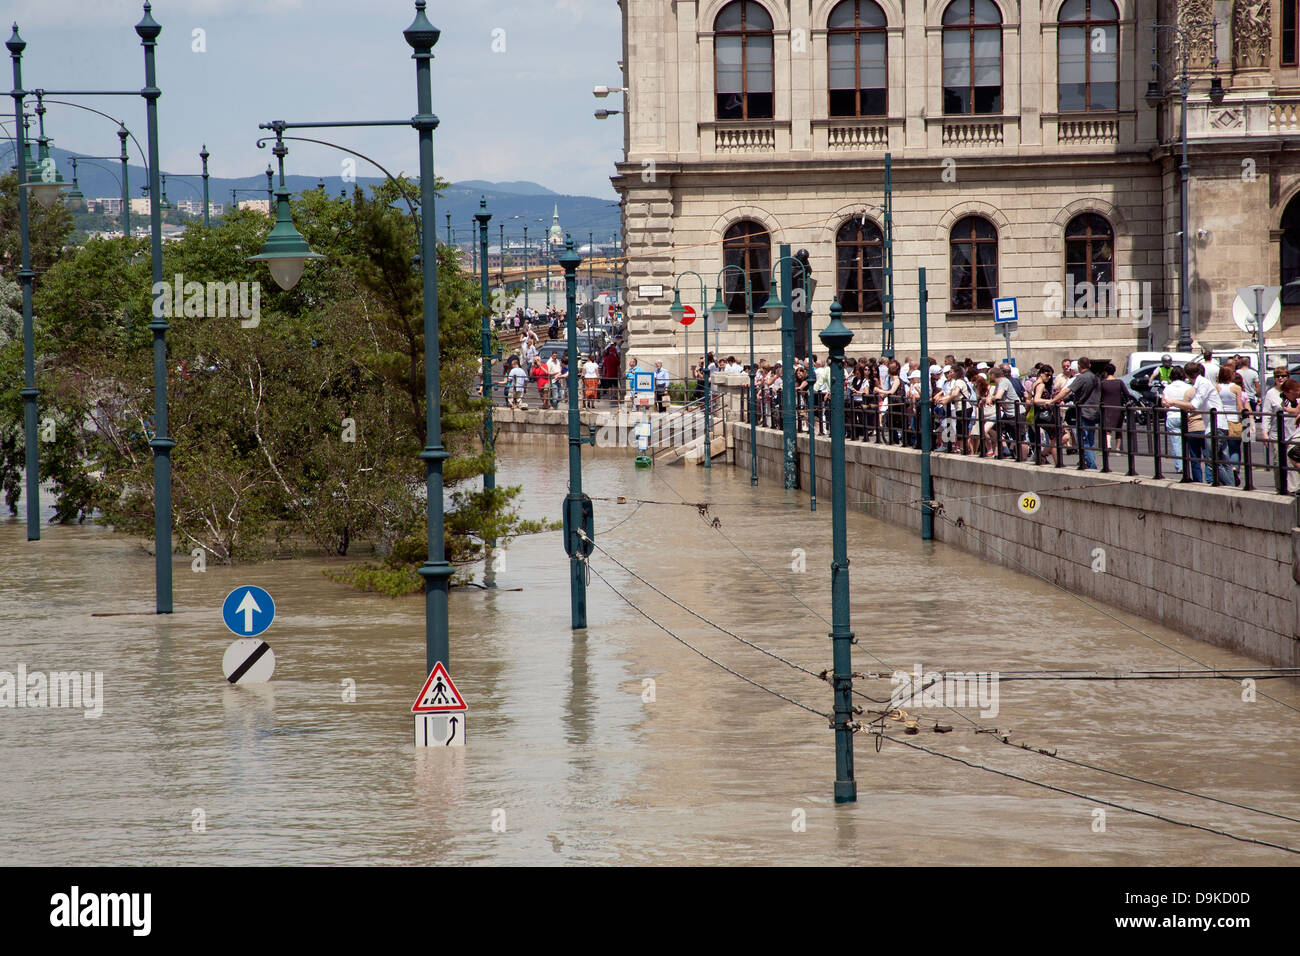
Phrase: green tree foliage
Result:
[299,433]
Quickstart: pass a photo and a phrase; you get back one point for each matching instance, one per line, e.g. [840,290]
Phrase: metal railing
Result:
[683,425]
[1250,454]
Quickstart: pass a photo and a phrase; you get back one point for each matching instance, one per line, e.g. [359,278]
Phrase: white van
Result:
[1137,359]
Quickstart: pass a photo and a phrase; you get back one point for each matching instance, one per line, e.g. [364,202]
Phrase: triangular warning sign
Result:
[439,694]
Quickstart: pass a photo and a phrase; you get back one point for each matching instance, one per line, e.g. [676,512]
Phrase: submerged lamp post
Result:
[778,308]
[26,277]
[720,313]
[678,310]
[286,253]
[836,337]
[579,521]
[483,217]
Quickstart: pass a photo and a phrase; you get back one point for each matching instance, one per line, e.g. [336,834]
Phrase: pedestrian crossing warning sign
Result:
[439,694]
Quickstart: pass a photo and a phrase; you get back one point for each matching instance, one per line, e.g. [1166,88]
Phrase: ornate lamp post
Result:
[720,313]
[1185,35]
[678,310]
[579,526]
[286,254]
[836,337]
[483,217]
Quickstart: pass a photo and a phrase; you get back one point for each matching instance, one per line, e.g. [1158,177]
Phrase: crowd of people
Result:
[1046,414]
[550,377]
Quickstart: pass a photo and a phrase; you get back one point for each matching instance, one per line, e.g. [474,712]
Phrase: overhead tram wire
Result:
[1023,747]
[1091,799]
[711,623]
[978,728]
[711,660]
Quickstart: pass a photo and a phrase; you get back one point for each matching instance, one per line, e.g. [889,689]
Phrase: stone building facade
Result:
[1029,153]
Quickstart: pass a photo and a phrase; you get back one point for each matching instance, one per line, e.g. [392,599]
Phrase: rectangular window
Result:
[956,72]
[988,71]
[1289,31]
[1073,65]
[730,79]
[1104,68]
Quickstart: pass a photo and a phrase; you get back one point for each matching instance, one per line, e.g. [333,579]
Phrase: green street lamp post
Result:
[148,30]
[927,434]
[122,134]
[207,205]
[579,524]
[286,254]
[678,310]
[836,337]
[448,230]
[164,204]
[75,199]
[26,277]
[270,184]
[525,267]
[483,217]
[720,312]
[777,304]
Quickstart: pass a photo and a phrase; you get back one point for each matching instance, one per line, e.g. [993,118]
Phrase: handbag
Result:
[1234,429]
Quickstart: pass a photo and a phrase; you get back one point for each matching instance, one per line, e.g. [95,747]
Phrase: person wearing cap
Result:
[1160,377]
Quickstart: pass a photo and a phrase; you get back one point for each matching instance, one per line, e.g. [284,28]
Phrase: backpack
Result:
[1020,389]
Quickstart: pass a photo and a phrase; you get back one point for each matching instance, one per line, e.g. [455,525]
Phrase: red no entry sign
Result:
[688,315]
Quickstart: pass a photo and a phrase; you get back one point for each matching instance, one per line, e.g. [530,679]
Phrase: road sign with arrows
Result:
[440,711]
[248,611]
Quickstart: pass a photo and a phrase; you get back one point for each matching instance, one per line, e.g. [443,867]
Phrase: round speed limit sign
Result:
[1028,503]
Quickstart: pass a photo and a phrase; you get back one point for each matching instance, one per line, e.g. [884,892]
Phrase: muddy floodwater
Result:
[573,755]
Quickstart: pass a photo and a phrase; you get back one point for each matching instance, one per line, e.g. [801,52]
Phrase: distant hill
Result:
[512,203]
[519,188]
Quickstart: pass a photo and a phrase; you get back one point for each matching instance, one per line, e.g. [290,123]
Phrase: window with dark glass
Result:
[860,266]
[972,57]
[1087,56]
[742,54]
[746,244]
[1289,18]
[1089,249]
[855,46]
[1291,252]
[974,247]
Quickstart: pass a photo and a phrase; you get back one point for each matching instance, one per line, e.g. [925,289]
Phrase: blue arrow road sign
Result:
[248,611]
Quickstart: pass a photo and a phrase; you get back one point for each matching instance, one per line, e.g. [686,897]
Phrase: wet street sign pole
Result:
[836,337]
[927,433]
[787,370]
[490,475]
[573,503]
[30,393]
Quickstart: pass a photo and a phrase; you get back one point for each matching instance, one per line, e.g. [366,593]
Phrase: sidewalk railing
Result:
[1227,450]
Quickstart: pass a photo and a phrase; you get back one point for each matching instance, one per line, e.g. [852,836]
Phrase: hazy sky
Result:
[521,113]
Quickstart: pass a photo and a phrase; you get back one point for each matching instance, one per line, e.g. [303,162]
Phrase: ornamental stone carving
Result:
[1251,33]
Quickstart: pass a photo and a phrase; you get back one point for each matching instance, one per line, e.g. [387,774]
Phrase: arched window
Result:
[974,246]
[972,57]
[855,45]
[860,266]
[746,244]
[1089,249]
[1291,251]
[742,56]
[1087,56]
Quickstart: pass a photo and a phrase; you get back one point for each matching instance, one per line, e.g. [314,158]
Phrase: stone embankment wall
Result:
[1219,565]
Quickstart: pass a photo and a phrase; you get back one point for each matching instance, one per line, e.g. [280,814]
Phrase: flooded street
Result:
[566,758]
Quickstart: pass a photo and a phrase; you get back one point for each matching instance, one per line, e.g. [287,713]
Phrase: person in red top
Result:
[542,376]
[609,370]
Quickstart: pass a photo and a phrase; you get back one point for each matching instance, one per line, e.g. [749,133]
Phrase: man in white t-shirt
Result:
[1177,389]
[1249,379]
[515,383]
[1210,365]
